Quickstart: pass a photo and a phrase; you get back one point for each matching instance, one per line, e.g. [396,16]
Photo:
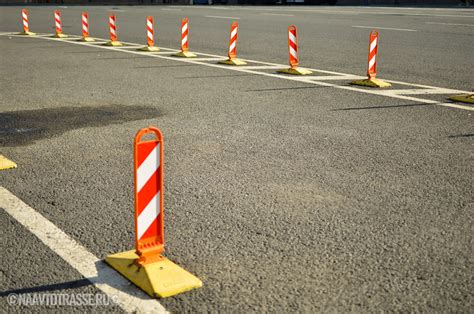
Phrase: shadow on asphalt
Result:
[382,107]
[53,287]
[285,88]
[213,76]
[20,128]
[461,135]
[168,66]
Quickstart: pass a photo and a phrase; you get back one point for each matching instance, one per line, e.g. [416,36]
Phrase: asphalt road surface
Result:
[282,194]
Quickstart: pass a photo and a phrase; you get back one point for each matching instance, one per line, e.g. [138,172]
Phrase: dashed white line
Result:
[126,295]
[223,17]
[308,80]
[386,28]
[277,14]
[450,24]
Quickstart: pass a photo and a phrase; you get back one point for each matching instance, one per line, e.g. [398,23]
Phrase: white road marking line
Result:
[286,77]
[335,77]
[125,294]
[210,59]
[418,91]
[387,28]
[261,67]
[223,17]
[277,14]
[451,24]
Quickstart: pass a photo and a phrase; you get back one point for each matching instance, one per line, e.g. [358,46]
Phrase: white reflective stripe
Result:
[234,32]
[149,34]
[184,28]
[84,19]
[184,40]
[25,16]
[373,44]
[371,62]
[112,31]
[232,46]
[84,27]
[25,23]
[293,52]
[149,24]
[56,16]
[148,167]
[292,37]
[111,21]
[58,25]
[148,215]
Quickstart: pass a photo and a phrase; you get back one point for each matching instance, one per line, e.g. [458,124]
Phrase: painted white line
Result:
[285,77]
[210,59]
[430,91]
[277,14]
[451,24]
[335,77]
[387,28]
[126,295]
[223,17]
[261,67]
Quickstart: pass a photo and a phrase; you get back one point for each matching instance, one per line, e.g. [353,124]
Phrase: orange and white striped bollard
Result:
[113,32]
[185,53]
[85,27]
[26,26]
[371,80]
[57,25]
[150,36]
[145,266]
[232,54]
[293,54]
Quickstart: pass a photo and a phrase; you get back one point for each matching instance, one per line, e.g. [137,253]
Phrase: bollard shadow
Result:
[123,58]
[106,275]
[286,88]
[168,66]
[24,127]
[382,107]
[461,135]
[47,288]
[212,76]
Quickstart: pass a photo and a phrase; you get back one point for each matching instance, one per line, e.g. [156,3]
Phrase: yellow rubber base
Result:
[372,83]
[114,43]
[59,36]
[295,71]
[185,54]
[6,163]
[27,33]
[149,49]
[463,98]
[87,39]
[159,280]
[233,61]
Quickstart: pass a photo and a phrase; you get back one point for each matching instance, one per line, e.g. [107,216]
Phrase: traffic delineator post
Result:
[293,54]
[6,163]
[185,53]
[371,80]
[58,25]
[150,36]
[26,25]
[464,98]
[145,266]
[232,55]
[85,28]
[113,32]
